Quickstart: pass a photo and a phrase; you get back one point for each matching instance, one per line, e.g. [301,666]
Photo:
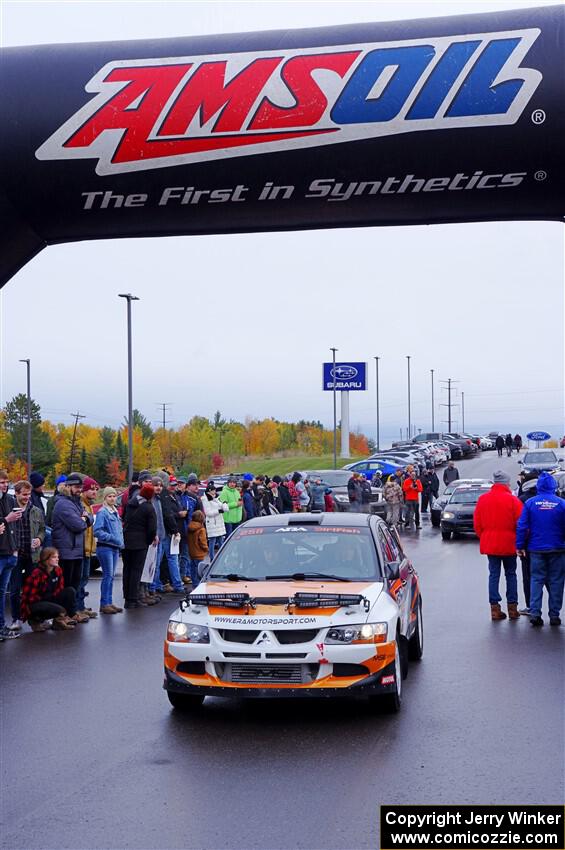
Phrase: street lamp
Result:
[432,371]
[333,351]
[129,299]
[409,419]
[28,367]
[378,423]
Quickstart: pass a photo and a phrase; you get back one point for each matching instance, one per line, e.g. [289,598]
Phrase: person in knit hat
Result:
[140,531]
[197,545]
[88,496]
[110,541]
[38,500]
[495,520]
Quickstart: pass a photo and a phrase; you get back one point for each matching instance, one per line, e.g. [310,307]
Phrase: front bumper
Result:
[459,526]
[326,668]
[369,686]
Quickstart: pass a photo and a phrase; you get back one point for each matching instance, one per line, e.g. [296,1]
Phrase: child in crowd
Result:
[197,545]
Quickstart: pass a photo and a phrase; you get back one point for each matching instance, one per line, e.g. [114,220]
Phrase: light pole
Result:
[333,351]
[378,423]
[463,411]
[129,298]
[432,371]
[409,420]
[28,367]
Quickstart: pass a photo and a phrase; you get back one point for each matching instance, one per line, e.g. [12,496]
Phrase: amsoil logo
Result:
[155,113]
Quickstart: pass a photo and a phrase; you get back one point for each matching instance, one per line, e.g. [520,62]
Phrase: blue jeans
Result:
[173,562]
[184,560]
[495,562]
[156,584]
[85,575]
[212,541]
[547,568]
[231,527]
[7,564]
[194,564]
[108,557]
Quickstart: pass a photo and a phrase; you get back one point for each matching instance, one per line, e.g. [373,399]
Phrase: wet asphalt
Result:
[93,757]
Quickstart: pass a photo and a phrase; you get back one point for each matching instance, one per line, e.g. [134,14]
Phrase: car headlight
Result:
[341,498]
[187,632]
[448,515]
[362,633]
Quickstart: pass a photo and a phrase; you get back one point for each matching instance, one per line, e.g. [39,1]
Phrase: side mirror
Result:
[393,571]
[202,567]
[520,462]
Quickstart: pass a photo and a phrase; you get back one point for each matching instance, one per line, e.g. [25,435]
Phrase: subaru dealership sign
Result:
[347,376]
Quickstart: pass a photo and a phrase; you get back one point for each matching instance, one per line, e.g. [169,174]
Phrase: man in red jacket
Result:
[495,520]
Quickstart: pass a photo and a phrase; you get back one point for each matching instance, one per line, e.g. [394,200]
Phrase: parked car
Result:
[309,605]
[439,504]
[457,515]
[539,460]
[369,467]
[337,479]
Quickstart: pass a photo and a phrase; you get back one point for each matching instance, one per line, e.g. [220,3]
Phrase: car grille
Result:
[268,674]
[239,635]
[296,635]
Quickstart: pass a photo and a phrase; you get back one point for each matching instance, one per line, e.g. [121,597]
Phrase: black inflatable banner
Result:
[440,120]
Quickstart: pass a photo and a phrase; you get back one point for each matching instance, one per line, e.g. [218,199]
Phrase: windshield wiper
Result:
[306,576]
[234,577]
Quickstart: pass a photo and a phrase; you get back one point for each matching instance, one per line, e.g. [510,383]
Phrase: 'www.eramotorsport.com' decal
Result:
[154,113]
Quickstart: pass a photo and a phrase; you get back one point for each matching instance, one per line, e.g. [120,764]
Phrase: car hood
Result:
[270,603]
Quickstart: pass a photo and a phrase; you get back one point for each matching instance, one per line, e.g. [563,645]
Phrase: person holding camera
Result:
[411,489]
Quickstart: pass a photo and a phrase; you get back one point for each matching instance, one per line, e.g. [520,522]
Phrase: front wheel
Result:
[446,535]
[416,642]
[185,702]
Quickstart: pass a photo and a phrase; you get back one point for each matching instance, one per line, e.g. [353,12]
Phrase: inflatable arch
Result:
[440,120]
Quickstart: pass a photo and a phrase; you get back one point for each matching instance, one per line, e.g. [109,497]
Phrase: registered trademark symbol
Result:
[540,176]
[538,116]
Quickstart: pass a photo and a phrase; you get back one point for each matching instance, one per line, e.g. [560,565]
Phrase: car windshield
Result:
[467,497]
[333,478]
[540,457]
[261,553]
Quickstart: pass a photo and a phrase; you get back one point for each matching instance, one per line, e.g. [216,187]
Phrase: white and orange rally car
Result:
[310,604]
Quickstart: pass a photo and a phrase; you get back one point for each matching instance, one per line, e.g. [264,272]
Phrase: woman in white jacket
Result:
[213,510]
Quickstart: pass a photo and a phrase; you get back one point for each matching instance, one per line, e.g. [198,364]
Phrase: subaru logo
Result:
[344,373]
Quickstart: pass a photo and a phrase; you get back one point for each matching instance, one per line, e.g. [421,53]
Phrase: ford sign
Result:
[538,436]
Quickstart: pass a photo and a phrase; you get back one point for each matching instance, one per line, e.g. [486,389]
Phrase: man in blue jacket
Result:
[70,520]
[541,530]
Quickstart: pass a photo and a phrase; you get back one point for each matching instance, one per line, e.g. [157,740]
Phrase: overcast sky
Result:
[243,323]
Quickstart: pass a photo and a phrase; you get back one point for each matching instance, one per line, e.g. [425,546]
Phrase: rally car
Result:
[311,604]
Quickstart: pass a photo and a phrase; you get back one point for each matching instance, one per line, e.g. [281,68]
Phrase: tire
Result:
[446,535]
[185,702]
[391,703]
[416,642]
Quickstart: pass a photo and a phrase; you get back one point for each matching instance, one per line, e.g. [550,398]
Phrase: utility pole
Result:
[378,423]
[333,351]
[73,442]
[129,298]
[28,367]
[449,405]
[463,411]
[164,405]
[432,372]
